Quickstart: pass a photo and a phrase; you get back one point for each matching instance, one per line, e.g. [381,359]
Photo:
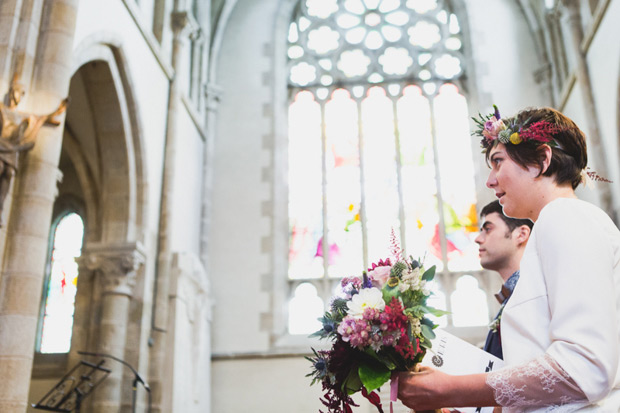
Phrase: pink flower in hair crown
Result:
[492,128]
[489,127]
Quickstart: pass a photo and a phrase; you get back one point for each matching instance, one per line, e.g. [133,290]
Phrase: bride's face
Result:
[513,184]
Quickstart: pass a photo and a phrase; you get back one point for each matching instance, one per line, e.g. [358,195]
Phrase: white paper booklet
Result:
[453,355]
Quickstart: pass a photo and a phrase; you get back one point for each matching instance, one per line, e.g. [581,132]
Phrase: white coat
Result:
[567,303]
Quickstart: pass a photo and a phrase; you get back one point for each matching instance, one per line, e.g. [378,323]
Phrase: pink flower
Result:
[492,128]
[379,276]
[371,314]
[350,286]
[389,340]
[355,282]
[356,332]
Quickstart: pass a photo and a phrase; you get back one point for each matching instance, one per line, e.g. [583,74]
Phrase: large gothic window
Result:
[61,285]
[378,140]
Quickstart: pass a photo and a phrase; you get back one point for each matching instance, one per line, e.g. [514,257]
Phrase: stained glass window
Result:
[61,285]
[378,139]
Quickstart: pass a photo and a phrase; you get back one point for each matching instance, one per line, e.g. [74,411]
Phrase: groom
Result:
[501,244]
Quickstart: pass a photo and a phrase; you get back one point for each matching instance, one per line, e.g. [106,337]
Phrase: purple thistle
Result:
[496,113]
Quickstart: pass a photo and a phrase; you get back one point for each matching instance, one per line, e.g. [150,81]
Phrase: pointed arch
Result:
[102,167]
[114,157]
[377,120]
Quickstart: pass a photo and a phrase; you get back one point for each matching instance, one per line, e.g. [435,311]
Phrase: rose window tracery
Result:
[353,41]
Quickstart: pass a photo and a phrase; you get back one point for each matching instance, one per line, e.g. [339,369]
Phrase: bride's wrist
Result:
[469,390]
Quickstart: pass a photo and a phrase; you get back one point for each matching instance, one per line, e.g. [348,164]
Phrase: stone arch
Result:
[218,36]
[103,162]
[103,139]
[103,152]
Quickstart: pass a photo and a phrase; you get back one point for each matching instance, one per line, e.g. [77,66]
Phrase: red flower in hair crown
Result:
[493,128]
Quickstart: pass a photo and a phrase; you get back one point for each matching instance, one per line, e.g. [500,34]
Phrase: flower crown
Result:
[491,128]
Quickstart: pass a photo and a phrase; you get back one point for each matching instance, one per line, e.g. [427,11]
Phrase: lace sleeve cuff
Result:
[539,382]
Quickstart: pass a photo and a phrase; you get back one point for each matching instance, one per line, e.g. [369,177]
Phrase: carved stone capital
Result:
[115,266]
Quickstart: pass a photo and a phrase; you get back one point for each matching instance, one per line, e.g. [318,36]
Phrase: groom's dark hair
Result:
[511,223]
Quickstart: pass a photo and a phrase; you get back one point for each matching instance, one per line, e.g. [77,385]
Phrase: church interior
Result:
[164,229]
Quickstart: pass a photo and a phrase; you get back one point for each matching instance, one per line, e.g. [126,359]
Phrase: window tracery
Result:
[378,139]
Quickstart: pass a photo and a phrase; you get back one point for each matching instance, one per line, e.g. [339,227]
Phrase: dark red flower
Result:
[394,317]
[405,348]
[541,131]
[373,398]
[342,359]
[381,263]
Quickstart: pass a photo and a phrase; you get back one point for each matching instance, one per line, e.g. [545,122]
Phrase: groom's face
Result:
[495,242]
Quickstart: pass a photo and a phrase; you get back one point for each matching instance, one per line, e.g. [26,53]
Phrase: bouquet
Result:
[378,327]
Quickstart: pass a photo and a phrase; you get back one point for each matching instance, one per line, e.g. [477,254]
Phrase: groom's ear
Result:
[522,233]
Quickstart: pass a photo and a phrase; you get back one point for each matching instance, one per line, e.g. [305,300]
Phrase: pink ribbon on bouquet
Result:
[393,390]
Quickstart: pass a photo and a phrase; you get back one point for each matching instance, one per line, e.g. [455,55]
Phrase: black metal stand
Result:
[73,388]
[137,378]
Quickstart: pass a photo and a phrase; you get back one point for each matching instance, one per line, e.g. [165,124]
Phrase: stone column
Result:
[33,198]
[213,95]
[182,24]
[592,123]
[114,269]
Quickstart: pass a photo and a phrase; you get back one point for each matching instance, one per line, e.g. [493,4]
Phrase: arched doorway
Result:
[102,180]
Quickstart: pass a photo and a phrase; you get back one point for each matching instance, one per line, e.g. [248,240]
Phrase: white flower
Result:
[416,327]
[366,298]
[424,288]
[410,280]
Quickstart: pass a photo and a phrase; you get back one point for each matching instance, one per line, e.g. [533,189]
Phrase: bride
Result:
[561,327]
